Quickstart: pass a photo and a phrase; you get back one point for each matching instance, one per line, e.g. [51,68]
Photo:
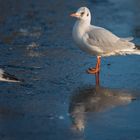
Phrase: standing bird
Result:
[97,40]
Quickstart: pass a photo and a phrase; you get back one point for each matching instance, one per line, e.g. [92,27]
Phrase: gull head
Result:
[83,13]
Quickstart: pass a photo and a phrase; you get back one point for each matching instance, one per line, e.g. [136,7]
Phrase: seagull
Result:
[99,41]
[6,77]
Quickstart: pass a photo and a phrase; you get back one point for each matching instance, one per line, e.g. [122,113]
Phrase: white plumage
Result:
[99,41]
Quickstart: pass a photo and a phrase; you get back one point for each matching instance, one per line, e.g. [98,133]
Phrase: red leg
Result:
[97,68]
[97,78]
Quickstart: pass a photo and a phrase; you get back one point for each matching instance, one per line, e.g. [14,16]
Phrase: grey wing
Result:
[128,38]
[91,45]
[105,41]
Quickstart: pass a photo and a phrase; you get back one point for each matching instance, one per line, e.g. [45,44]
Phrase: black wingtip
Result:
[10,77]
[137,47]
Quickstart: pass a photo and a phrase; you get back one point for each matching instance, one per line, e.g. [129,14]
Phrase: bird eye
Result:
[82,13]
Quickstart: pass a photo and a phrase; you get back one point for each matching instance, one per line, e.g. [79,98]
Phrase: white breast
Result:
[79,31]
[77,34]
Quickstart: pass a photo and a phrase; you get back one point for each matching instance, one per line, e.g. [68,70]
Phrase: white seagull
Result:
[6,77]
[97,40]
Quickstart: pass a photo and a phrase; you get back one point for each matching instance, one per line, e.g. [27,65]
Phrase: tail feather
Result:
[136,52]
[130,52]
[131,49]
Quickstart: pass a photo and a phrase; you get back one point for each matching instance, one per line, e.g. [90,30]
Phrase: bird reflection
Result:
[95,99]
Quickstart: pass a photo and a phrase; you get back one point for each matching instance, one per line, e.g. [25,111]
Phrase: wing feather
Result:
[104,41]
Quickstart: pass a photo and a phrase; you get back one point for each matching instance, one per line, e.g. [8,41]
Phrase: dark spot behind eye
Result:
[87,14]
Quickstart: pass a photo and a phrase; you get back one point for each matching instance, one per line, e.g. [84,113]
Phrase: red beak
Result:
[75,15]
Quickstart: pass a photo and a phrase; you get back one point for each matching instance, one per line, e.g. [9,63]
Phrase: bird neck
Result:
[82,25]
